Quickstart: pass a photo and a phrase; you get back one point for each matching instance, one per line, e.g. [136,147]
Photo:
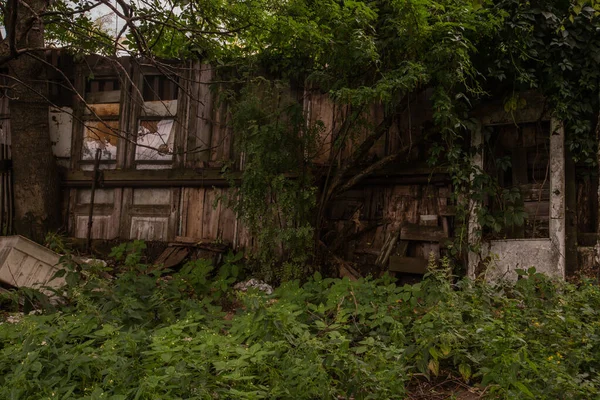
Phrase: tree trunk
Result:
[36,183]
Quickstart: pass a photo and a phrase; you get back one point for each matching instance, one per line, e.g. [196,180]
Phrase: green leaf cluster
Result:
[188,335]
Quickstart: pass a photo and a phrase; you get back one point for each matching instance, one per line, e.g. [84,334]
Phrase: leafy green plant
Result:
[187,334]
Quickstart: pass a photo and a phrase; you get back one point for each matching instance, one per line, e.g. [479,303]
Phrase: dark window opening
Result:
[102,85]
[517,157]
[159,88]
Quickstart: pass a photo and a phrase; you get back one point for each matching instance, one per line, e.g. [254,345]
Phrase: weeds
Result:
[155,334]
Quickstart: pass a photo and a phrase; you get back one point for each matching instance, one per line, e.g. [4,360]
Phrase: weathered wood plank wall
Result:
[165,135]
[204,142]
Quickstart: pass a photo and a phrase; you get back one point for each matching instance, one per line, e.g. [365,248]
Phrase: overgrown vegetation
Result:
[359,53]
[155,334]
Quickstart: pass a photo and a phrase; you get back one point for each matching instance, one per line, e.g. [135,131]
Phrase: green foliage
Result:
[364,53]
[276,195]
[189,335]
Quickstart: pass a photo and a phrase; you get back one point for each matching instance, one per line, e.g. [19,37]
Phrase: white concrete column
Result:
[557,225]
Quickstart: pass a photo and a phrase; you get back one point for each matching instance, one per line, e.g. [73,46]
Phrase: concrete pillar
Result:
[557,195]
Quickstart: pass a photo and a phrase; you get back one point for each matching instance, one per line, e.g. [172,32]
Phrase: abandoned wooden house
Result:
[160,179]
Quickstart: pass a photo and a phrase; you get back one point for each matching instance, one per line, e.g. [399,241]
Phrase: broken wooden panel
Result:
[227,225]
[24,263]
[172,256]
[212,213]
[103,135]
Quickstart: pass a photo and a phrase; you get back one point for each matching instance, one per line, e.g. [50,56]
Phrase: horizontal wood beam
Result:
[422,233]
[213,177]
[150,178]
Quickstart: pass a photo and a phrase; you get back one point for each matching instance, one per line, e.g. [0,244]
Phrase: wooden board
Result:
[408,265]
[172,256]
[422,233]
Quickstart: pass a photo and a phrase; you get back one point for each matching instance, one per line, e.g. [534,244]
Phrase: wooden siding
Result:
[406,206]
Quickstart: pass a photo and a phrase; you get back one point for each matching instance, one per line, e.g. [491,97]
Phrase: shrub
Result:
[187,335]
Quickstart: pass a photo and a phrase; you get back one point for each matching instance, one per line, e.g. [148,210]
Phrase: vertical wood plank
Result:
[194,206]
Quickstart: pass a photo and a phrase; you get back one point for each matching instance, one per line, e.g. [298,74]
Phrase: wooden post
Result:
[92,195]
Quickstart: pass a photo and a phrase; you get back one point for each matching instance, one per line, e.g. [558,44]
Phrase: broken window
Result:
[517,156]
[101,131]
[155,140]
[157,124]
[101,128]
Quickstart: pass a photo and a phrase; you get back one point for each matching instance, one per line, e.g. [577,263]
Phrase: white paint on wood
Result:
[557,224]
[61,130]
[90,167]
[142,165]
[101,226]
[24,263]
[101,196]
[164,108]
[151,197]
[149,228]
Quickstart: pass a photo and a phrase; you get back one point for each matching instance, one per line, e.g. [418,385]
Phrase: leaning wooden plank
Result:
[408,265]
[423,233]
[172,256]
[24,263]
[183,240]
